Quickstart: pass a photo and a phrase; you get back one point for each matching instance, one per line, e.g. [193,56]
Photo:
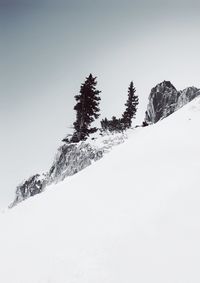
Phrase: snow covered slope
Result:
[134,216]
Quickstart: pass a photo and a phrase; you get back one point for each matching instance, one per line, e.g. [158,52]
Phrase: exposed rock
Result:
[74,157]
[70,159]
[187,95]
[164,99]
[30,187]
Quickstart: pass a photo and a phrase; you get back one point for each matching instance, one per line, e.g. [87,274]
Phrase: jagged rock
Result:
[70,159]
[74,157]
[164,99]
[30,187]
[187,95]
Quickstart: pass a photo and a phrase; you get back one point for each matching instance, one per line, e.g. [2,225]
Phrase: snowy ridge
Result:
[69,160]
[72,158]
[131,217]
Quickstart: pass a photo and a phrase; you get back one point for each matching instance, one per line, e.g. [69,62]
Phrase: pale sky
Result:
[49,47]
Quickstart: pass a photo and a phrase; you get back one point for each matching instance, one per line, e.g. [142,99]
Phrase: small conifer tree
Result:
[131,107]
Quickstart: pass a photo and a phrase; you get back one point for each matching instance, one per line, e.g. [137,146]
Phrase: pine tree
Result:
[131,107]
[87,109]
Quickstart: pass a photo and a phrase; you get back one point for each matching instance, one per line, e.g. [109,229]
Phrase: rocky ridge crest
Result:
[165,99]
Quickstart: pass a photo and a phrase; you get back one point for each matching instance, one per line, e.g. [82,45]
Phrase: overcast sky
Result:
[49,47]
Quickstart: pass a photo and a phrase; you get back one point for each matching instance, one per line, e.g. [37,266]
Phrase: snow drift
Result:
[133,216]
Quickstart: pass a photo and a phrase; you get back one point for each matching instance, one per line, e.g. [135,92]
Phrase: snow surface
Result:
[133,216]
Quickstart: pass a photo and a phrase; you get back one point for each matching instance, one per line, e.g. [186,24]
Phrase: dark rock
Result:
[164,99]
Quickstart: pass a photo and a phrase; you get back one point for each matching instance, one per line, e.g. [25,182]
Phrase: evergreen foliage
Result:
[121,124]
[131,107]
[87,109]
[113,125]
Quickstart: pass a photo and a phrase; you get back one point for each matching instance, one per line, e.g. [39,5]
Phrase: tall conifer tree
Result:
[87,109]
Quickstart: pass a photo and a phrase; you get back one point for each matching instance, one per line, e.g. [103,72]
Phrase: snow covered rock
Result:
[187,95]
[72,158]
[164,99]
[69,160]
[30,187]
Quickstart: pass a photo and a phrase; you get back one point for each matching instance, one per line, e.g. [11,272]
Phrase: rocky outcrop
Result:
[72,158]
[187,95]
[164,99]
[30,187]
[69,160]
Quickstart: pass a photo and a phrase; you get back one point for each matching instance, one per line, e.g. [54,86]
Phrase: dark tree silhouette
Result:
[113,125]
[131,107]
[105,124]
[121,124]
[87,109]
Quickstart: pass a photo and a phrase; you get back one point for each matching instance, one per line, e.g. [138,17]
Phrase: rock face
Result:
[164,99]
[69,160]
[30,187]
[187,95]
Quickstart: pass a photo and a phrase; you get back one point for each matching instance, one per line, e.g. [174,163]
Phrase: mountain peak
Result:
[164,99]
[163,86]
